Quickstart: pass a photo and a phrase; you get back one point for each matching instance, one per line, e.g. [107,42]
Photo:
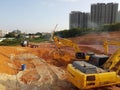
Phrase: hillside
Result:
[97,38]
[94,41]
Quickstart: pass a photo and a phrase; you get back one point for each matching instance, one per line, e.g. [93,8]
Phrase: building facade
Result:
[118,17]
[78,19]
[102,13]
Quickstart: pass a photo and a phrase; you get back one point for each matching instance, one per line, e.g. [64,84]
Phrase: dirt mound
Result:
[13,57]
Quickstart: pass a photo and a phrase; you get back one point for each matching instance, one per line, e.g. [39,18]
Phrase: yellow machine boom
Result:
[60,42]
[113,63]
[65,42]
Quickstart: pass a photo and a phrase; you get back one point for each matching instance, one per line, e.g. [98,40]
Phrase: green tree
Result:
[10,35]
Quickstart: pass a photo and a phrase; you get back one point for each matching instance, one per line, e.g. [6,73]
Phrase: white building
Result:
[3,33]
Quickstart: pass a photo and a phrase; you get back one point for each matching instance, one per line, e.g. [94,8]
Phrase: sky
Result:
[31,16]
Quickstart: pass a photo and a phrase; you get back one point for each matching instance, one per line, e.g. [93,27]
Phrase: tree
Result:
[10,35]
[38,33]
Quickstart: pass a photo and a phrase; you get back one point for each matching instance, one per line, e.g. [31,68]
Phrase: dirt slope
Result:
[97,38]
[40,73]
[94,41]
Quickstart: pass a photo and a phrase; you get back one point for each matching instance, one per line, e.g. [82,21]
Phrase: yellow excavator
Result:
[60,42]
[85,75]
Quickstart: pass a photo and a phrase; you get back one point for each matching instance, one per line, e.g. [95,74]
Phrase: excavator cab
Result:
[94,59]
[80,55]
[98,60]
[83,55]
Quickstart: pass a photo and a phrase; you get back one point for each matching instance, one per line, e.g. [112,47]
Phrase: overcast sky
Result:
[41,15]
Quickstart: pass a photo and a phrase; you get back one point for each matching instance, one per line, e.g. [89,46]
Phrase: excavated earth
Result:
[40,72]
[45,67]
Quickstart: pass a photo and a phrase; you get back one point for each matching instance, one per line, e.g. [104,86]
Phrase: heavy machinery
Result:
[60,42]
[24,43]
[100,71]
[86,76]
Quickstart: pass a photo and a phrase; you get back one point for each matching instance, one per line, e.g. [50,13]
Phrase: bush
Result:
[8,42]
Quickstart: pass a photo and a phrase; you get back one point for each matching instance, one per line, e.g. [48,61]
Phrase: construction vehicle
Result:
[60,42]
[100,71]
[99,60]
[24,43]
[86,76]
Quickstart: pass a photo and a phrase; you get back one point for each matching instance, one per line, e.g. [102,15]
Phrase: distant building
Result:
[102,13]
[3,33]
[118,16]
[78,19]
[16,31]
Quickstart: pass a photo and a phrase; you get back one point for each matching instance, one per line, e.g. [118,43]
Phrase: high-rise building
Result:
[78,19]
[118,16]
[102,13]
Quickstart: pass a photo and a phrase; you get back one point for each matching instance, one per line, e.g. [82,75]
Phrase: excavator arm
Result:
[113,63]
[65,42]
[60,42]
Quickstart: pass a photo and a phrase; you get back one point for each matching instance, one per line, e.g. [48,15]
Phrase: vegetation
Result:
[39,39]
[15,39]
[10,35]
[82,31]
[72,32]
[10,42]
[111,27]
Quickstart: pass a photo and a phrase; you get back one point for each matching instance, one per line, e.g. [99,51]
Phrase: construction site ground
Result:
[45,69]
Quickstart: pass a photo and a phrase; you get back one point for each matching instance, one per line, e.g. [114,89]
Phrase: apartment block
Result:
[78,19]
[102,13]
[118,17]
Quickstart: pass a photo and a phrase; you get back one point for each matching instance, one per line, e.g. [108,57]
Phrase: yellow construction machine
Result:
[86,76]
[60,42]
[100,71]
